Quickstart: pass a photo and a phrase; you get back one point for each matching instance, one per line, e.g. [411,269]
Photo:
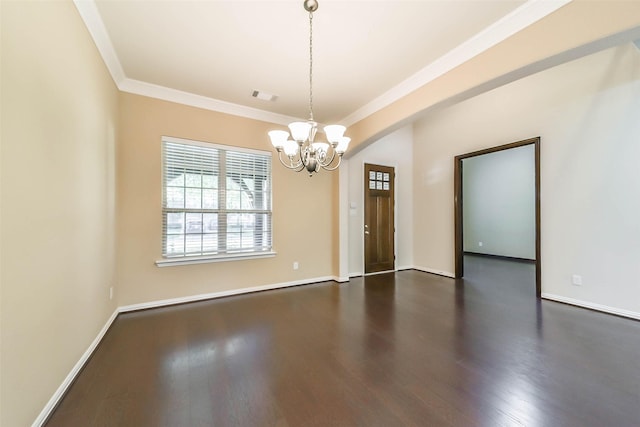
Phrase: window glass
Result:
[216,199]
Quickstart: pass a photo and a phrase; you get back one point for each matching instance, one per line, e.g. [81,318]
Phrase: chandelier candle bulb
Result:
[303,152]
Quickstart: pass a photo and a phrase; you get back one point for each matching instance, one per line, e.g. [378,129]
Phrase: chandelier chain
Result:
[311,66]
[302,152]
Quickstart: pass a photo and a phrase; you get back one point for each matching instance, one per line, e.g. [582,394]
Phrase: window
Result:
[216,200]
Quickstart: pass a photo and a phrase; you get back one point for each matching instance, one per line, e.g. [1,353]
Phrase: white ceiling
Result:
[366,53]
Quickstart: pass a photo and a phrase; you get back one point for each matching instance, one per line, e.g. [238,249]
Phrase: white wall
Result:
[499,212]
[392,150]
[587,113]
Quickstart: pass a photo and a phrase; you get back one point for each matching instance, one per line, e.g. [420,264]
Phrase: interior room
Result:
[96,263]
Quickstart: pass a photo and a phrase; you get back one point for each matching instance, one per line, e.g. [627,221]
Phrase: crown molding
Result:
[93,21]
[527,14]
[138,87]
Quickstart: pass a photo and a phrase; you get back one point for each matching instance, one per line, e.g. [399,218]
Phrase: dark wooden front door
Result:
[379,229]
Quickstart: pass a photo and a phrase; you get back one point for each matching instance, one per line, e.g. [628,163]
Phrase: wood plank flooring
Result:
[408,348]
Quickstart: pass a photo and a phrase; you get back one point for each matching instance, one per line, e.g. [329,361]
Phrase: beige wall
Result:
[303,218]
[586,113]
[59,119]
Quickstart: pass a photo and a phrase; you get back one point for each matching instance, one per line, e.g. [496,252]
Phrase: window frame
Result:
[222,211]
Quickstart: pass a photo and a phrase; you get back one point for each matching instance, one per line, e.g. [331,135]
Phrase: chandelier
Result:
[300,149]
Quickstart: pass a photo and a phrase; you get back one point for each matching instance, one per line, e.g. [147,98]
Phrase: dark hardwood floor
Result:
[408,348]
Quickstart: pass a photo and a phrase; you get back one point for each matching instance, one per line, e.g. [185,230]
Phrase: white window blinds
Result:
[216,199]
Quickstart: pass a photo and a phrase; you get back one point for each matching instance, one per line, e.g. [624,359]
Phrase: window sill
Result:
[171,262]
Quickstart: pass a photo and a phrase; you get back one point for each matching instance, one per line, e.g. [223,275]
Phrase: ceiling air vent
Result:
[264,95]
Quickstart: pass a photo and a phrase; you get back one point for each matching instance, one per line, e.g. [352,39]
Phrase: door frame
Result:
[364,219]
[458,203]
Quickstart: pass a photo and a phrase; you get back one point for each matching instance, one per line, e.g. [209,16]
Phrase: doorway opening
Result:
[459,204]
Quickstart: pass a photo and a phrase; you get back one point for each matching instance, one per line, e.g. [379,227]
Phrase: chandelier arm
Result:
[290,165]
[333,156]
[335,167]
[300,164]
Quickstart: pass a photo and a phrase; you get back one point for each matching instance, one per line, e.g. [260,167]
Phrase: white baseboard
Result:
[212,295]
[379,272]
[408,267]
[59,393]
[433,271]
[340,279]
[592,306]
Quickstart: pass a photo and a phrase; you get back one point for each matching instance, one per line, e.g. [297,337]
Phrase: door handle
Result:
[366,232]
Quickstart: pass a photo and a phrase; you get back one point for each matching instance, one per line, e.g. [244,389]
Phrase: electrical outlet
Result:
[576,280]
[296,265]
[111,292]
[479,243]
